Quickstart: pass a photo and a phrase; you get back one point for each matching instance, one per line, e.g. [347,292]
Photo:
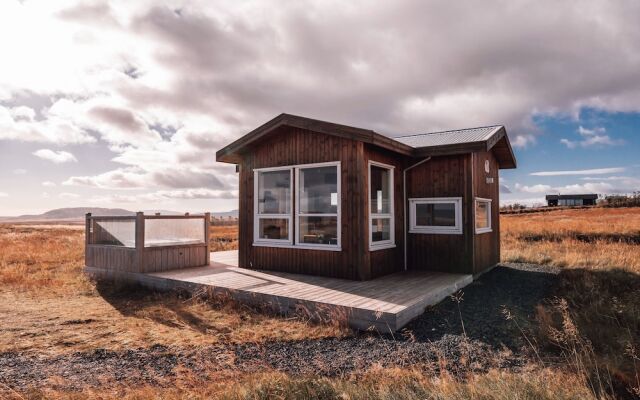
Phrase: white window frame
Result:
[441,230]
[293,240]
[337,214]
[489,228]
[383,244]
[257,240]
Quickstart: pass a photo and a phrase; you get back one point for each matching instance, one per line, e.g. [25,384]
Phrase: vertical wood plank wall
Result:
[446,176]
[487,245]
[292,146]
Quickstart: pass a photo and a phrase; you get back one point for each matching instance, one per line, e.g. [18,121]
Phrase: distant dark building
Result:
[554,200]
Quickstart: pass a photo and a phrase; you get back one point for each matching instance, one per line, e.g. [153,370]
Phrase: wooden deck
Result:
[385,303]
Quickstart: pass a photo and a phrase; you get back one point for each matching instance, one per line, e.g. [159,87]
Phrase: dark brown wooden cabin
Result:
[327,199]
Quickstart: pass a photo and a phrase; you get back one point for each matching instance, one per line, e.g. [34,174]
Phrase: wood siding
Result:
[448,176]
[487,245]
[294,146]
[442,176]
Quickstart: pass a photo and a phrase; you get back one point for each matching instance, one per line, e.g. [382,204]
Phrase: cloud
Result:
[20,171]
[533,189]
[523,141]
[607,178]
[4,194]
[48,184]
[592,138]
[56,157]
[19,123]
[133,178]
[68,196]
[162,89]
[162,196]
[595,171]
[627,185]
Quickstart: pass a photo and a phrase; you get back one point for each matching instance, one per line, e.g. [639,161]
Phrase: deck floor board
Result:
[378,302]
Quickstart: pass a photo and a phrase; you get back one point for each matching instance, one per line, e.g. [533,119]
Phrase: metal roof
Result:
[449,137]
[421,145]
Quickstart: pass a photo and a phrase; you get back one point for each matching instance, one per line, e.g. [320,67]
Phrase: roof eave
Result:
[232,152]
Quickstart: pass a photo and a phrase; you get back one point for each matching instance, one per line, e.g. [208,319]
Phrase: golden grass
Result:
[387,384]
[597,326]
[596,238]
[223,237]
[48,305]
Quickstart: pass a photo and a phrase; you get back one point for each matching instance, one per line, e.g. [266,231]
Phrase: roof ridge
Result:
[449,131]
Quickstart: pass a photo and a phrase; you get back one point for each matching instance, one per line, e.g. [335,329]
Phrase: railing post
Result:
[140,241]
[207,222]
[87,237]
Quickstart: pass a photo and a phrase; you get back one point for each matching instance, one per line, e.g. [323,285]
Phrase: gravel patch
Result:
[433,341]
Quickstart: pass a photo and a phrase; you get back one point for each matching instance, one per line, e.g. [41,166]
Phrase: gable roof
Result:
[421,145]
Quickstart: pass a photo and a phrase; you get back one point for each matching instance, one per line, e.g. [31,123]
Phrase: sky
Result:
[124,104]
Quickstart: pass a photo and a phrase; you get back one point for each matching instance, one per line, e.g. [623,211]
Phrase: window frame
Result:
[337,214]
[384,244]
[294,214]
[489,228]
[457,229]
[257,240]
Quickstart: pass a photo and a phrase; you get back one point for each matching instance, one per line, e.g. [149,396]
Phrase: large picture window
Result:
[272,223]
[381,210]
[435,215]
[316,207]
[483,215]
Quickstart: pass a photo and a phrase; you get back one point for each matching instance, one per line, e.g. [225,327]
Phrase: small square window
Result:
[436,215]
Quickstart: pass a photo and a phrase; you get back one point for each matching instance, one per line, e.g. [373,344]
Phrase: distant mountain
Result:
[78,214]
[68,214]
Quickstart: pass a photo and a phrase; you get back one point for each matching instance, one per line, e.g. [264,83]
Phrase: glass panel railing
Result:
[173,231]
[114,232]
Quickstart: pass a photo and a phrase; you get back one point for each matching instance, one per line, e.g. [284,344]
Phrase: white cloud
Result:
[167,176]
[68,196]
[607,178]
[48,184]
[533,189]
[19,124]
[162,196]
[3,194]
[162,89]
[595,171]
[592,138]
[599,187]
[56,157]
[19,171]
[523,141]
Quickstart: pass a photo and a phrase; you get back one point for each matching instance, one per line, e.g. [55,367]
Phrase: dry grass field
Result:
[49,309]
[47,304]
[595,238]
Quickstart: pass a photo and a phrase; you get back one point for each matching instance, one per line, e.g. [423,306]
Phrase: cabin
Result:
[325,199]
[571,200]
